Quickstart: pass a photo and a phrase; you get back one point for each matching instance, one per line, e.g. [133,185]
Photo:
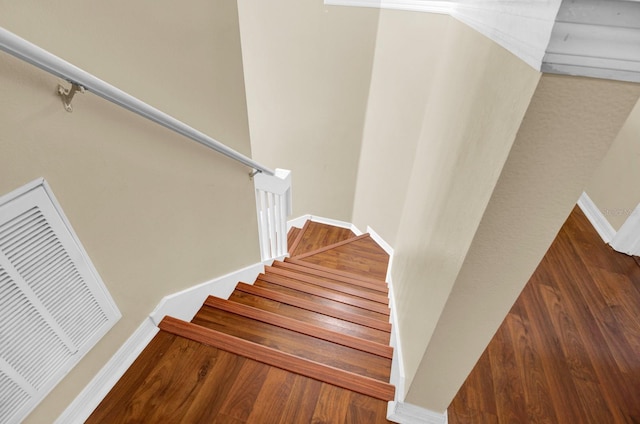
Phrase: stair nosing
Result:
[350,290]
[301,327]
[337,272]
[322,292]
[264,354]
[330,246]
[300,266]
[313,307]
[298,239]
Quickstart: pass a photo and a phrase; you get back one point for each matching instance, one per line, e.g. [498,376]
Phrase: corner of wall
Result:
[596,217]
[91,396]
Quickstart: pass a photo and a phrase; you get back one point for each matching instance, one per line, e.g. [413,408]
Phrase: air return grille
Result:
[53,306]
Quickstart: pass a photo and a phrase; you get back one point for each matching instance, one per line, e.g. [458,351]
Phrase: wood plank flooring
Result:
[569,350]
[303,344]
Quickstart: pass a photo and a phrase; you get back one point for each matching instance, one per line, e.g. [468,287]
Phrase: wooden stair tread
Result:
[363,256]
[296,242]
[315,307]
[315,235]
[292,234]
[325,293]
[311,317]
[351,381]
[330,246]
[301,327]
[347,288]
[318,300]
[332,272]
[294,343]
[204,384]
[186,375]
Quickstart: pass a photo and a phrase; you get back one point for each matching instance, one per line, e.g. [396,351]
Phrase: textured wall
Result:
[307,71]
[156,212]
[614,186]
[440,123]
[566,132]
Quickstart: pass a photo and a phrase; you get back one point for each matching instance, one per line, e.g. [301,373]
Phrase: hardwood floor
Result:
[305,343]
[569,350]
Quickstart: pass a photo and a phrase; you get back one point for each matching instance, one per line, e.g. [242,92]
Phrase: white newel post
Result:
[273,205]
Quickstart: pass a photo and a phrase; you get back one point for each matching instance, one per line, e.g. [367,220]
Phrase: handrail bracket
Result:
[67,95]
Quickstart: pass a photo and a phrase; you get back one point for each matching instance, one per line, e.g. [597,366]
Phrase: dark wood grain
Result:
[316,235]
[326,248]
[332,406]
[173,380]
[339,286]
[302,401]
[314,318]
[271,353]
[293,247]
[292,235]
[333,310]
[325,293]
[569,350]
[362,257]
[331,272]
[295,343]
[301,327]
[350,381]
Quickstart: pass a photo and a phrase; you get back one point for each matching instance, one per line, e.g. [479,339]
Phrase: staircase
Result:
[307,342]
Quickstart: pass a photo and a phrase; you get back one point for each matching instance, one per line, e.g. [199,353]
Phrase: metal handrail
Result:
[46,61]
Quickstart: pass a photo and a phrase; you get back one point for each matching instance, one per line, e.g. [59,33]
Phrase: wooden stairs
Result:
[307,342]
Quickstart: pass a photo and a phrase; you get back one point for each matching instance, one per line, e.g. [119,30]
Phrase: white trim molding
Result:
[299,223]
[522,27]
[627,239]
[595,38]
[591,38]
[406,413]
[597,219]
[91,396]
[185,304]
[397,410]
[429,6]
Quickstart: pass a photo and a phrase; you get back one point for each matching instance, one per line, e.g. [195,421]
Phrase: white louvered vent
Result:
[53,305]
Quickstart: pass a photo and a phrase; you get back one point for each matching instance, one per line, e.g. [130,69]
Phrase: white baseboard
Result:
[381,242]
[183,305]
[299,223]
[597,219]
[91,396]
[186,303]
[399,411]
[627,239]
[406,413]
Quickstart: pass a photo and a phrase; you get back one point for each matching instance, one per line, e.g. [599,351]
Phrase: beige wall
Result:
[307,71]
[402,82]
[438,138]
[565,133]
[156,212]
[614,187]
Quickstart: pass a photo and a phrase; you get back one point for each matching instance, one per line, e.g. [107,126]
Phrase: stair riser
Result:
[322,292]
[363,345]
[347,288]
[315,307]
[331,375]
[294,343]
[319,272]
[311,317]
